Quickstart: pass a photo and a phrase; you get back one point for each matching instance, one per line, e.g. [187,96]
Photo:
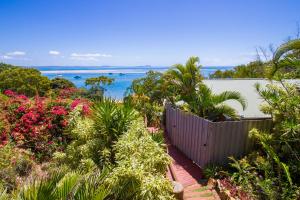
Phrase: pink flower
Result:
[75,103]
[9,93]
[23,97]
[86,109]
[3,139]
[21,109]
[59,110]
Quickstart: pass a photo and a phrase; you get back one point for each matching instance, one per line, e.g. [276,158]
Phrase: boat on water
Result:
[121,74]
[110,73]
[77,77]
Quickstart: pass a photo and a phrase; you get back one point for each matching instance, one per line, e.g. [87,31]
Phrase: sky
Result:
[141,32]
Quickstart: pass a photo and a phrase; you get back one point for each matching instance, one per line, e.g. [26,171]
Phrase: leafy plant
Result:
[141,167]
[211,106]
[70,185]
[185,78]
[25,81]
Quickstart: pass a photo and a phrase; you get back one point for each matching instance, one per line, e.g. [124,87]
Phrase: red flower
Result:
[23,97]
[3,139]
[21,109]
[9,93]
[86,109]
[58,110]
[75,103]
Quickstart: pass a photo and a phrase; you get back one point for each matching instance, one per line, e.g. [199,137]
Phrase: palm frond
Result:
[230,95]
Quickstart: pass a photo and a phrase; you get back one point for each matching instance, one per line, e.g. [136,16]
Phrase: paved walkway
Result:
[183,170]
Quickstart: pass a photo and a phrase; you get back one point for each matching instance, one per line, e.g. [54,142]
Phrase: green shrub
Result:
[141,167]
[61,83]
[272,171]
[26,81]
[93,137]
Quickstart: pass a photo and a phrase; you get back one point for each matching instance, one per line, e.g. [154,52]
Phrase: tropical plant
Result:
[272,171]
[66,185]
[185,78]
[286,60]
[212,106]
[110,121]
[141,167]
[93,137]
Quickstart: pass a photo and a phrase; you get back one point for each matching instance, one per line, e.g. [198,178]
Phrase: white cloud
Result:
[88,56]
[16,53]
[55,53]
[7,57]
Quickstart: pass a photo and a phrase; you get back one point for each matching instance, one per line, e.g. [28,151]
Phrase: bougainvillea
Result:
[38,123]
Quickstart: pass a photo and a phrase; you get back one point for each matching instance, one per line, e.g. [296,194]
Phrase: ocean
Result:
[123,75]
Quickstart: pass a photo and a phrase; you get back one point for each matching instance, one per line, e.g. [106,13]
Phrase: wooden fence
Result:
[207,142]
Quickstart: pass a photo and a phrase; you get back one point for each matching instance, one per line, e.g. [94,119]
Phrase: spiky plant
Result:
[287,58]
[110,121]
[212,106]
[61,185]
[185,78]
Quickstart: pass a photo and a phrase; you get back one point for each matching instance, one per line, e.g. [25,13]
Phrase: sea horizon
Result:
[122,75]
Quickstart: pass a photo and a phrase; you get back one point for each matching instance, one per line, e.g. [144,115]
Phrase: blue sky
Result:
[141,32]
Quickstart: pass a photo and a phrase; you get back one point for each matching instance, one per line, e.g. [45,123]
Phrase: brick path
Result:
[183,170]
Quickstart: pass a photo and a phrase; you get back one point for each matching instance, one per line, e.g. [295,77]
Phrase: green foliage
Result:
[286,60]
[61,83]
[92,138]
[141,167]
[272,171]
[185,78]
[97,84]
[4,66]
[211,106]
[285,64]
[158,137]
[146,96]
[213,171]
[66,185]
[14,164]
[111,121]
[255,69]
[24,81]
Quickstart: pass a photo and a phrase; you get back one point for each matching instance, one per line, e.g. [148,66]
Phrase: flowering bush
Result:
[38,123]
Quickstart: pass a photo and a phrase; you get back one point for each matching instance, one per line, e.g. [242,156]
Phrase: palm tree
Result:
[211,106]
[287,57]
[185,78]
[72,186]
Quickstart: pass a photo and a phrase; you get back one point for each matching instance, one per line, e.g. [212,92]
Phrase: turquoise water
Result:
[123,75]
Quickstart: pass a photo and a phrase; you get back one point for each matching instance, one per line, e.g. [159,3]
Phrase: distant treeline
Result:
[287,67]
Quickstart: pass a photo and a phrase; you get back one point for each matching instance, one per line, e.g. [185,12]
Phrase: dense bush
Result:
[93,137]
[26,81]
[141,167]
[14,164]
[61,83]
[255,69]
[38,124]
[272,172]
